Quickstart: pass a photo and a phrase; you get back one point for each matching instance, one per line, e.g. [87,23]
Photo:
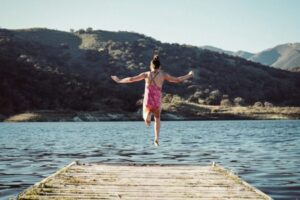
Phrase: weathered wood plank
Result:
[104,181]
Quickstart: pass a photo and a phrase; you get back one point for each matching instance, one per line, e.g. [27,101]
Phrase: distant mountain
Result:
[243,54]
[54,70]
[284,56]
[219,50]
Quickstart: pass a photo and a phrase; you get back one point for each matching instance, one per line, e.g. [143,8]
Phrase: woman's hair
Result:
[155,63]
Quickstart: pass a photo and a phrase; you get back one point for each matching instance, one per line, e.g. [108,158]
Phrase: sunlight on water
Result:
[264,153]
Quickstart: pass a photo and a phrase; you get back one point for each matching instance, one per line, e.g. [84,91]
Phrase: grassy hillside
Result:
[49,69]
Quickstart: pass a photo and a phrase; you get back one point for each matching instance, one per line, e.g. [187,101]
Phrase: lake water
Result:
[264,153]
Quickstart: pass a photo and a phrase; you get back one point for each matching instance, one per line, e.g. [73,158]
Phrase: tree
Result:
[81,31]
[89,30]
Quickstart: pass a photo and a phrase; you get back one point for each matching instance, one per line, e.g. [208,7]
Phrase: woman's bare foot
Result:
[156,143]
[147,123]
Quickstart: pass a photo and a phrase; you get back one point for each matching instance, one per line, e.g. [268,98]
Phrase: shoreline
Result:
[182,112]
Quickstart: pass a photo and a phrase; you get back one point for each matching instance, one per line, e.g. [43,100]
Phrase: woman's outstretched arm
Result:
[139,77]
[179,79]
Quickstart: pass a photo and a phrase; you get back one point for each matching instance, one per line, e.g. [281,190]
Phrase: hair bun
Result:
[155,62]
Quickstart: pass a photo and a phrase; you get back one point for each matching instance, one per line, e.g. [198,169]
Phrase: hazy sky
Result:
[251,25]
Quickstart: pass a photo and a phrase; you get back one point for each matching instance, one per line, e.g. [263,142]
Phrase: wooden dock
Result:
[142,182]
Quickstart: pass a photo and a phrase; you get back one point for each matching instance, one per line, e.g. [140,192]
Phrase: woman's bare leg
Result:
[156,127]
[147,116]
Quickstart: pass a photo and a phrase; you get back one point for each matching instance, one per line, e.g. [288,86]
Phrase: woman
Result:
[154,80]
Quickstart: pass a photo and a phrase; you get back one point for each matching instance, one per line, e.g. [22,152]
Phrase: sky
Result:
[250,25]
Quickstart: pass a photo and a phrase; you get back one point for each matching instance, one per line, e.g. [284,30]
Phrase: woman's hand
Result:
[191,73]
[115,78]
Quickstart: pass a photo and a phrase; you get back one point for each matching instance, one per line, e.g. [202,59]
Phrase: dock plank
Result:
[132,182]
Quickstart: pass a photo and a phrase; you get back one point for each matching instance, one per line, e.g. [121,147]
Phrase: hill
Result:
[284,56]
[242,54]
[42,69]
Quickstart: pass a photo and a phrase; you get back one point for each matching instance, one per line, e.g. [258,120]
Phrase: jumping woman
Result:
[154,80]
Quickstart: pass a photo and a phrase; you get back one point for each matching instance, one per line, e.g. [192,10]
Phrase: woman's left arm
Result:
[139,77]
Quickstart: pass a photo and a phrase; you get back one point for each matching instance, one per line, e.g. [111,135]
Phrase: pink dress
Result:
[152,96]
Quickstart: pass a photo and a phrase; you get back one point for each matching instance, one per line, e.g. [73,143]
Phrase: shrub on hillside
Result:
[214,97]
[176,99]
[268,104]
[64,45]
[80,31]
[225,96]
[226,102]
[199,94]
[201,101]
[92,55]
[239,101]
[192,99]
[89,30]
[258,104]
[167,98]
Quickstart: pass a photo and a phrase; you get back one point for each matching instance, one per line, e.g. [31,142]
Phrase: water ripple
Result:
[264,153]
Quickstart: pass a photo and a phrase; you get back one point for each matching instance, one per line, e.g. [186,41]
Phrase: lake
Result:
[264,153]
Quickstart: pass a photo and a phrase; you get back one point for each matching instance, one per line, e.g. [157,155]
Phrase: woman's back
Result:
[155,77]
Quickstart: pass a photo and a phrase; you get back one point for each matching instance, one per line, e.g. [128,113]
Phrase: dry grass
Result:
[236,112]
[177,110]
[262,112]
[24,117]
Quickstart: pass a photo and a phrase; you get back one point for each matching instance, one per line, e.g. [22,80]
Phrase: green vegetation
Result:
[43,69]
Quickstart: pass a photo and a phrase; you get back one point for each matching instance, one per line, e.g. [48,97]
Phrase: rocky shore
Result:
[182,111]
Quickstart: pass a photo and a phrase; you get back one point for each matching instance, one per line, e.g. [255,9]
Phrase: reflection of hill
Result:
[48,69]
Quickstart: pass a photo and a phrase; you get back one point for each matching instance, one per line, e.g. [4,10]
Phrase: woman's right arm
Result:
[139,77]
[179,79]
